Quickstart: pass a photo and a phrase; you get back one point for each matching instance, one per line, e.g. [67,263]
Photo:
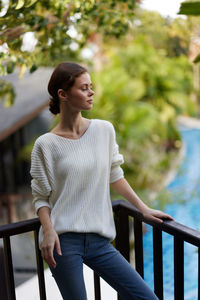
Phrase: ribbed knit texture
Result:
[72,178]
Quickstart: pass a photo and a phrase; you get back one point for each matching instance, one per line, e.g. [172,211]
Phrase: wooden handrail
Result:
[188,234]
[122,210]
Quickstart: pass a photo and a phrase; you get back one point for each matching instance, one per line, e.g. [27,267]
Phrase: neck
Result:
[70,121]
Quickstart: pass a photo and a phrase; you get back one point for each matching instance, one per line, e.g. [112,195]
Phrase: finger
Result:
[156,219]
[169,217]
[47,254]
[58,248]
[50,258]
[164,216]
[51,262]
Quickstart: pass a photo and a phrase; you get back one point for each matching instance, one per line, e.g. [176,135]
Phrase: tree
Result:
[141,91]
[58,29]
[56,24]
[172,35]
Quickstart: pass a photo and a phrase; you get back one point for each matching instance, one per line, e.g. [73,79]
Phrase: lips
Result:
[90,101]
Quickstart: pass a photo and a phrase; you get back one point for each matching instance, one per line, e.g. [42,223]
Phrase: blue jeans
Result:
[96,252]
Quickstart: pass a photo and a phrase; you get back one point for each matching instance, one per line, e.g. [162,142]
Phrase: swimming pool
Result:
[185,192]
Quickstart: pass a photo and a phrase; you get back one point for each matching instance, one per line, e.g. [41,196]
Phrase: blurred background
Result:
[143,57]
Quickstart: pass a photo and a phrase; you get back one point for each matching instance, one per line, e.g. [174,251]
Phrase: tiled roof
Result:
[31,98]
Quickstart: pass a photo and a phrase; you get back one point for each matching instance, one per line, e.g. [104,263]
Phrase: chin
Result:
[88,108]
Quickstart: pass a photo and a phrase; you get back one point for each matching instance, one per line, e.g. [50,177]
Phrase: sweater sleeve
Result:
[116,172]
[40,184]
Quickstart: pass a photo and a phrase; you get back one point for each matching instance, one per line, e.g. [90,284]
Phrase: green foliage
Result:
[179,37]
[7,93]
[50,21]
[61,28]
[152,25]
[197,59]
[171,35]
[190,8]
[141,91]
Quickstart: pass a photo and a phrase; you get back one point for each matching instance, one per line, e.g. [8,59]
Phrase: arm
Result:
[122,187]
[41,190]
[50,237]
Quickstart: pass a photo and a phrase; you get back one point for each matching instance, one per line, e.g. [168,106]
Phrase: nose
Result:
[91,92]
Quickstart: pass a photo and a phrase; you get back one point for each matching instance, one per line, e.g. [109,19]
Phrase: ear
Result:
[62,95]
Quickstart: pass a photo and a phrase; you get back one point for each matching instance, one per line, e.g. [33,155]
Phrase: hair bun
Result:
[54,106]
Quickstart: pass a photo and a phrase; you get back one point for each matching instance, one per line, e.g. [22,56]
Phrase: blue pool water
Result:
[185,208]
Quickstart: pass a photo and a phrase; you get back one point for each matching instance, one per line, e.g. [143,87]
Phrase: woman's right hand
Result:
[50,241]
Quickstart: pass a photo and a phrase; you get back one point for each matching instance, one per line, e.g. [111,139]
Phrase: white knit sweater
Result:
[72,178]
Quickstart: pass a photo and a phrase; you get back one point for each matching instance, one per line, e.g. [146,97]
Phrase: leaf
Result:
[197,59]
[33,68]
[22,70]
[9,100]
[190,8]
[20,4]
[30,3]
[7,93]
[10,67]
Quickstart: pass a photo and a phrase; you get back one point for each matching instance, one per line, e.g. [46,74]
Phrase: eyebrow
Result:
[87,84]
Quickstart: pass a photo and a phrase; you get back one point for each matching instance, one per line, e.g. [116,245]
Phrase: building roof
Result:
[31,98]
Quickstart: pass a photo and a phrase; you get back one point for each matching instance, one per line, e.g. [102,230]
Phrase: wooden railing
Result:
[7,292]
[123,211]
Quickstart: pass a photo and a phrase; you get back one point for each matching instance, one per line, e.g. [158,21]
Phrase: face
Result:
[80,95]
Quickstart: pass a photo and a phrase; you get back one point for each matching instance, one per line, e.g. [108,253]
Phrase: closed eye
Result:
[86,86]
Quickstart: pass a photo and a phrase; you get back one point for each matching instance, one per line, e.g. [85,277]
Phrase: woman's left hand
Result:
[155,215]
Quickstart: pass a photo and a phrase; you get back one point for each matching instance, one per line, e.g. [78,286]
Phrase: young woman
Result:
[73,167]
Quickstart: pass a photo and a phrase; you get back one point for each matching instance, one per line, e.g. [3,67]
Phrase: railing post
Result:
[158,262]
[40,268]
[122,237]
[178,269]
[199,273]
[9,267]
[122,229]
[4,293]
[97,287]
[138,234]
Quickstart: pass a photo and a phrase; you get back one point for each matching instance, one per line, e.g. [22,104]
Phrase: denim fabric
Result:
[97,253]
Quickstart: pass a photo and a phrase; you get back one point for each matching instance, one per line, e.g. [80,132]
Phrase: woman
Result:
[73,167]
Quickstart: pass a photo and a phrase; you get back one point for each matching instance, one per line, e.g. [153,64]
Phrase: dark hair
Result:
[63,77]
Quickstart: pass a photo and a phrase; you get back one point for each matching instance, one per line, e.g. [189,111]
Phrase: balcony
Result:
[125,217]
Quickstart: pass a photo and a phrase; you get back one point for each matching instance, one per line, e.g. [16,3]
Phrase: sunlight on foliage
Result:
[142,91]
